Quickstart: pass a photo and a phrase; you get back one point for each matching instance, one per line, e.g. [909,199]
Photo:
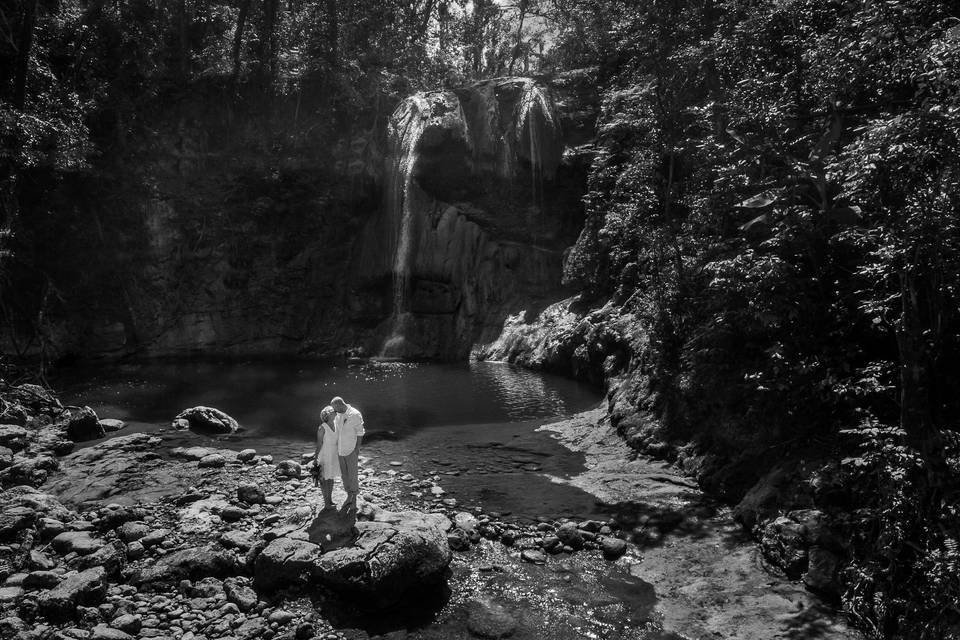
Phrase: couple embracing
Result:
[338,446]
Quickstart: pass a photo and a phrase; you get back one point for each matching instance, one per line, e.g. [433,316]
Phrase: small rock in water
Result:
[396,463]
[533,556]
[613,548]
[206,420]
[109,424]
[246,455]
[458,539]
[489,619]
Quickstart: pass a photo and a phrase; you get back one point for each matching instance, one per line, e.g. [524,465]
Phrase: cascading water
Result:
[406,128]
[428,134]
[535,117]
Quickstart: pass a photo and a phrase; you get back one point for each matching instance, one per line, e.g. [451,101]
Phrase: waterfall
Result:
[406,127]
[535,119]
[511,121]
[535,114]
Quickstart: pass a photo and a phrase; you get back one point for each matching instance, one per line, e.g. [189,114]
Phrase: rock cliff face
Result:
[225,233]
[481,199]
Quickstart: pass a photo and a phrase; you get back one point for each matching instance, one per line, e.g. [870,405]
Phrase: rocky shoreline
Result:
[131,537]
[128,537]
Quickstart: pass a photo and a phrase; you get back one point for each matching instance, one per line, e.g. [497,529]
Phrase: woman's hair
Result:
[325,413]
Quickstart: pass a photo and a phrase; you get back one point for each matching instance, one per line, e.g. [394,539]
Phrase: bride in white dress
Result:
[326,455]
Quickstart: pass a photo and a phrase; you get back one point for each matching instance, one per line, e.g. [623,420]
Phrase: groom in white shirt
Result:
[349,425]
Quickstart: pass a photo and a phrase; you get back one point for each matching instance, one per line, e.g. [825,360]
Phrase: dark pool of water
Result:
[472,426]
[283,398]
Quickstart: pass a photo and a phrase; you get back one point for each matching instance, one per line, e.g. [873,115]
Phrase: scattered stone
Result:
[232,514]
[533,556]
[612,547]
[193,562]
[130,531]
[10,594]
[80,542]
[103,632]
[466,521]
[246,455]
[40,560]
[250,493]
[48,527]
[128,623]
[289,469]
[135,550]
[206,420]
[40,580]
[280,616]
[88,588]
[110,425]
[234,539]
[240,594]
[14,519]
[489,619]
[6,457]
[570,535]
[154,538]
[212,461]
[83,424]
[206,588]
[13,437]
[458,539]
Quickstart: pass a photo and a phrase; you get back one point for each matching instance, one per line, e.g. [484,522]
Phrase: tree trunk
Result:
[522,8]
[24,48]
[916,341]
[238,40]
[268,44]
[333,33]
[182,31]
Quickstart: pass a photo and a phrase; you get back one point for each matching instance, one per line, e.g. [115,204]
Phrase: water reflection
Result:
[284,398]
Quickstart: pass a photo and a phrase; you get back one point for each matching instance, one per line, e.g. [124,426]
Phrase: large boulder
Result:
[285,561]
[87,588]
[206,420]
[83,424]
[192,564]
[387,562]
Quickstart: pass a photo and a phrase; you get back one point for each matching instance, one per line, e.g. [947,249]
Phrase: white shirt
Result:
[349,426]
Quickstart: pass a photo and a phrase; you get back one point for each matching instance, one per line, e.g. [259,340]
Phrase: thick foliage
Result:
[775,194]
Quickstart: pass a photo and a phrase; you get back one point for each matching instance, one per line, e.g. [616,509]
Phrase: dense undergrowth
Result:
[775,201]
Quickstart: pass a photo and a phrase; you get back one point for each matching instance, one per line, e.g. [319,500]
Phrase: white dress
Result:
[329,458]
